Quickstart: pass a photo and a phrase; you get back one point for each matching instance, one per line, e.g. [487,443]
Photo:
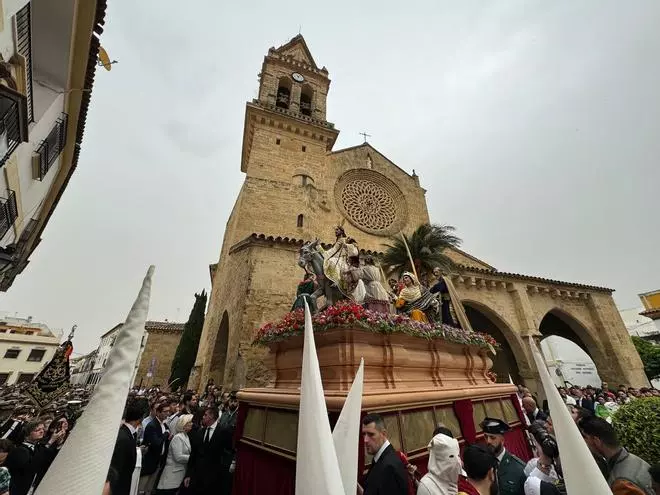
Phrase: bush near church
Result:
[638,426]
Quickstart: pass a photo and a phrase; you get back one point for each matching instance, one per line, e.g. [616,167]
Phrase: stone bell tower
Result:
[285,142]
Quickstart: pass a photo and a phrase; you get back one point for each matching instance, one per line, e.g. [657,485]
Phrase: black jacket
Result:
[387,476]
[209,462]
[24,463]
[586,403]
[540,415]
[157,443]
[123,460]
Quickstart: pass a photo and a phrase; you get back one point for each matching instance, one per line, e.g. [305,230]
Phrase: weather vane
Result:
[364,135]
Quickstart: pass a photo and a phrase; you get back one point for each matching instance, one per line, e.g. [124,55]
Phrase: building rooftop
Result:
[164,325]
[28,326]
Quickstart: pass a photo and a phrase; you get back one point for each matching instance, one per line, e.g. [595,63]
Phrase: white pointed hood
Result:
[82,465]
[346,435]
[581,473]
[317,469]
[444,466]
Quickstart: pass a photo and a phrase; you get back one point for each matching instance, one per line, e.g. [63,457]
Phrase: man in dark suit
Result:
[581,400]
[387,475]
[125,453]
[211,452]
[532,411]
[155,443]
[228,421]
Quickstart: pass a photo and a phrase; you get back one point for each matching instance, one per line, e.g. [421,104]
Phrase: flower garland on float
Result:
[347,314]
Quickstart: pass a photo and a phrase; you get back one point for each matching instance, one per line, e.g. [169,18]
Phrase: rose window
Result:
[371,202]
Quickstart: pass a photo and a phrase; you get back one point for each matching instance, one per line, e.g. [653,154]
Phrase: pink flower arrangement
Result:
[349,314]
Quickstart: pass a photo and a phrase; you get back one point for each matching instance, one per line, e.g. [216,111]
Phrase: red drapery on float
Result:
[464,414]
[516,443]
[262,472]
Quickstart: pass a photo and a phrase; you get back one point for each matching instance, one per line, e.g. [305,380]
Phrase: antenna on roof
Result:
[300,29]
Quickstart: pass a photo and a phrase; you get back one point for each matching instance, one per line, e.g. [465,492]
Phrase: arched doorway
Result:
[484,320]
[219,356]
[569,350]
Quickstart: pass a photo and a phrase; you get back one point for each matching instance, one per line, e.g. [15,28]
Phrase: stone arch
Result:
[283,98]
[219,355]
[306,99]
[511,358]
[561,323]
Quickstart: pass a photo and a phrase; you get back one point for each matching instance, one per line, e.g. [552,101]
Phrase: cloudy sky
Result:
[534,126]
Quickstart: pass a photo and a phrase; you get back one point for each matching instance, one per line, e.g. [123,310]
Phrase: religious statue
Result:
[441,291]
[376,297]
[338,260]
[332,268]
[311,259]
[306,288]
[416,301]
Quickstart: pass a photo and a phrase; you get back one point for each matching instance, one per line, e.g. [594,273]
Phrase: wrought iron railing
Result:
[8,212]
[10,130]
[51,147]
[24,48]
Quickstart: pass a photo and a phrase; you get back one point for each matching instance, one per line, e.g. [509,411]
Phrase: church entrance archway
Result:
[570,350]
[219,356]
[485,320]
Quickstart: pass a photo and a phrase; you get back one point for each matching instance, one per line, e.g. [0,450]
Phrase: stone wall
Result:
[161,345]
[587,316]
[291,171]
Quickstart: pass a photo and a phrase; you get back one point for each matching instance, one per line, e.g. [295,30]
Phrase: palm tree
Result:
[427,245]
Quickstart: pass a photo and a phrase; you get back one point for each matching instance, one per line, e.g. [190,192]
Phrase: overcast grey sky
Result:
[534,126]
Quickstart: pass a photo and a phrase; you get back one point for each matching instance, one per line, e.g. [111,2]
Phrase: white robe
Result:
[135,481]
[444,467]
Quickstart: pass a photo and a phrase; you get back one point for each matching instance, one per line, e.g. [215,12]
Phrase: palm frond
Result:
[427,245]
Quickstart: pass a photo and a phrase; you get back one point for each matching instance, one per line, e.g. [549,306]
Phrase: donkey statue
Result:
[310,258]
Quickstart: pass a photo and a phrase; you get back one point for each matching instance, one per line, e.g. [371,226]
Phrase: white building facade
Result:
[81,368]
[569,364]
[100,359]
[25,347]
[48,53]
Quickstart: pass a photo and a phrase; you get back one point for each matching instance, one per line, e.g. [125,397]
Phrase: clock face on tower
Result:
[297,77]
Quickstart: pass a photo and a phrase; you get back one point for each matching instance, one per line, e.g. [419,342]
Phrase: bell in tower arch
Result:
[306,97]
[283,98]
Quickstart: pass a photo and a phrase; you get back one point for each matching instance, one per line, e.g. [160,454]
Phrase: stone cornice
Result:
[286,121]
[295,65]
[479,277]
[476,277]
[289,242]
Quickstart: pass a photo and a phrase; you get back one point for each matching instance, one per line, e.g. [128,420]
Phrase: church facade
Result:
[298,188]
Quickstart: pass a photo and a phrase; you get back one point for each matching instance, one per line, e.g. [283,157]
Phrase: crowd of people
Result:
[177,444]
[30,438]
[488,468]
[183,444]
[601,402]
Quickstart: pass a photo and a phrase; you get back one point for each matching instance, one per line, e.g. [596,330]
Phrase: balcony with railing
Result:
[13,122]
[8,212]
[50,148]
